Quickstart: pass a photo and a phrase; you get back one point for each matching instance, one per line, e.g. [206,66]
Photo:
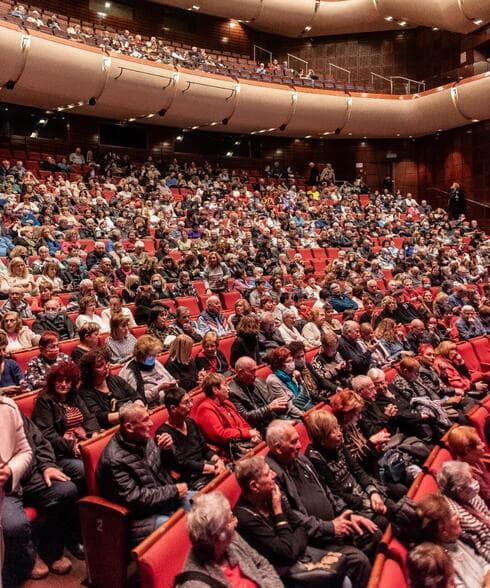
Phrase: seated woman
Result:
[18,275]
[316,327]
[181,365]
[45,294]
[50,276]
[145,373]
[430,565]
[49,355]
[390,340]
[87,306]
[453,371]
[195,461]
[465,445]
[288,331]
[121,342]
[11,377]
[63,417]
[157,325]
[211,359]
[285,381]
[89,339]
[437,524]
[337,469]
[131,286]
[242,308]
[218,551]
[457,484]
[218,418]
[247,339]
[102,392]
[116,307]
[19,336]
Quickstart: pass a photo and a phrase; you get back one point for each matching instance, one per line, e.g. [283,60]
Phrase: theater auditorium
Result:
[244,294]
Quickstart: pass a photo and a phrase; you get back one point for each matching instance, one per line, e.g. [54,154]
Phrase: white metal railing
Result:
[259,51]
[389,80]
[408,84]
[291,57]
[332,65]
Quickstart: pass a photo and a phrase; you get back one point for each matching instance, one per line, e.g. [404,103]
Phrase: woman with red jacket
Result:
[453,371]
[218,418]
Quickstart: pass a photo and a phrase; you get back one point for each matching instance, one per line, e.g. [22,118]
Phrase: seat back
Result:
[471,360]
[303,435]
[477,417]
[230,298]
[428,485]
[24,356]
[158,417]
[91,451]
[69,345]
[481,345]
[225,344]
[26,402]
[164,559]
[190,302]
[391,575]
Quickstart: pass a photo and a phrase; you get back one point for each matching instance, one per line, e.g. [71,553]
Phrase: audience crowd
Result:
[330,285]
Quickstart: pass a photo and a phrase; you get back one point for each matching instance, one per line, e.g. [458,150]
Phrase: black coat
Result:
[62,324]
[133,476]
[242,346]
[49,416]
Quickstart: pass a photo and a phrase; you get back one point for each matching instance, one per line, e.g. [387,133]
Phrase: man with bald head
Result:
[252,398]
[212,318]
[417,335]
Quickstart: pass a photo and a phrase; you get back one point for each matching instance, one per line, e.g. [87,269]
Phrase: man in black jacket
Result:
[265,521]
[351,351]
[47,488]
[325,518]
[251,396]
[130,472]
[53,319]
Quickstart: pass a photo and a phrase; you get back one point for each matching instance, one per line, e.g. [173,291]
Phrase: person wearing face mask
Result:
[145,373]
[298,351]
[462,492]
[54,319]
[285,381]
[159,286]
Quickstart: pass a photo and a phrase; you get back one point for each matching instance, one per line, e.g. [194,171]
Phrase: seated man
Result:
[54,319]
[16,303]
[341,301]
[212,319]
[352,351]
[330,371]
[469,325]
[269,337]
[252,398]
[49,489]
[267,524]
[417,335]
[130,472]
[326,521]
[183,325]
[194,460]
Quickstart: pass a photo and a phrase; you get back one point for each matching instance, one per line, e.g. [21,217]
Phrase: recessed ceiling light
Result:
[475,120]
[194,127]
[307,29]
[403,23]
[435,28]
[389,18]
[179,138]
[308,137]
[196,7]
[213,124]
[398,134]
[151,115]
[478,21]
[131,119]
[229,154]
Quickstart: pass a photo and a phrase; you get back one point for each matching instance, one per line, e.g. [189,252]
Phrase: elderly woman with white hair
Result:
[288,331]
[461,490]
[219,556]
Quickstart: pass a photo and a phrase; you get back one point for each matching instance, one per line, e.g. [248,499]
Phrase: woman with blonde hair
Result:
[315,328]
[145,373]
[181,365]
[18,275]
[453,371]
[390,339]
[242,308]
[19,336]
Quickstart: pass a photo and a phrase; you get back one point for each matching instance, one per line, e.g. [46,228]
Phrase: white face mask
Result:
[470,491]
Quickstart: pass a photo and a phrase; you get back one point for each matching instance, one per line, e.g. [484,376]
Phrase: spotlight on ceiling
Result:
[403,23]
[307,29]
[389,18]
[478,22]
[179,138]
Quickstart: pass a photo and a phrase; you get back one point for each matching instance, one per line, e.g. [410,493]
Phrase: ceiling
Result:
[333,17]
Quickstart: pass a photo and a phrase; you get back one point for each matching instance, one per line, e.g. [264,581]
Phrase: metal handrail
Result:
[262,49]
[330,65]
[291,56]
[373,75]
[420,86]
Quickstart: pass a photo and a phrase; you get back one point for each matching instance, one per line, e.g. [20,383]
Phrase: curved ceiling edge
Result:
[158,94]
[305,17]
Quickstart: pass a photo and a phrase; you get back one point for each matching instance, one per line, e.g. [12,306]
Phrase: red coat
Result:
[220,422]
[454,378]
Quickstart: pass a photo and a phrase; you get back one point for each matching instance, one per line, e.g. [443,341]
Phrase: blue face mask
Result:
[149,361]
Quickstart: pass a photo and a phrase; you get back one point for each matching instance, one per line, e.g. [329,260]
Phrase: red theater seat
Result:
[225,344]
[24,356]
[477,417]
[26,402]
[481,345]
[230,298]
[191,303]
